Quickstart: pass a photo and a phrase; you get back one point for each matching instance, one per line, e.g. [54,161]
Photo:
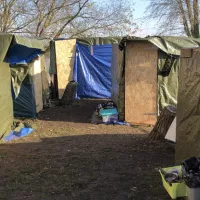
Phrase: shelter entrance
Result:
[87,65]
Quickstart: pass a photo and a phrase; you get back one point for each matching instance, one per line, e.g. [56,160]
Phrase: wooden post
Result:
[163,123]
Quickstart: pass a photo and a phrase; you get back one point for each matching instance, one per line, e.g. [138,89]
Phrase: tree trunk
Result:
[185,23]
[163,123]
[196,18]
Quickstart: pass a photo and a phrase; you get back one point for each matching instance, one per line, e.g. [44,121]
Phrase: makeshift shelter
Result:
[145,76]
[21,81]
[188,108]
[86,61]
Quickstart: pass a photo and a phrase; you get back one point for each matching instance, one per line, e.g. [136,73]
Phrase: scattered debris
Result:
[107,113]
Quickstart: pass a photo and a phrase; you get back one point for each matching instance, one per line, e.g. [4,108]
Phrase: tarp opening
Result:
[92,71]
[92,62]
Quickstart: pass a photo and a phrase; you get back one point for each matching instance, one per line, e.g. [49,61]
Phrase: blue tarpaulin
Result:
[103,52]
[14,135]
[92,71]
[19,54]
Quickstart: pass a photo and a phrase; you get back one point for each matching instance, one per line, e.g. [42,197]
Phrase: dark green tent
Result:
[21,46]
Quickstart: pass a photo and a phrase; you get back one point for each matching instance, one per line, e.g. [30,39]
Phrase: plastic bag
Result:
[191,172]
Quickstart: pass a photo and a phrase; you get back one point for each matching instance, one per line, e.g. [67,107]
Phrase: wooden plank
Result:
[186,53]
[141,83]
[65,54]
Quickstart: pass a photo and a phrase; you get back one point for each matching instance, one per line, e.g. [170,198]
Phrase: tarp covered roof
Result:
[96,40]
[15,49]
[6,40]
[168,44]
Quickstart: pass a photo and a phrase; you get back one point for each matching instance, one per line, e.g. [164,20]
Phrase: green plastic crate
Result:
[176,189]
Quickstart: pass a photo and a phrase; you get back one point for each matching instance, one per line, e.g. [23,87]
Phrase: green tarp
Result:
[5,41]
[18,73]
[99,40]
[188,108]
[168,66]
[29,42]
[6,105]
[173,45]
[168,44]
[169,49]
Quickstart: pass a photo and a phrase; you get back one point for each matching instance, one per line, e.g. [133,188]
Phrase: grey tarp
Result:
[168,46]
[188,108]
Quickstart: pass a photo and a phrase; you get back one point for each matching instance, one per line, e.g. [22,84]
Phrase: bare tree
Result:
[176,16]
[12,15]
[69,18]
[51,17]
[112,18]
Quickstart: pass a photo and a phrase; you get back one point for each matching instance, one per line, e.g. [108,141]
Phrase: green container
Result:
[176,189]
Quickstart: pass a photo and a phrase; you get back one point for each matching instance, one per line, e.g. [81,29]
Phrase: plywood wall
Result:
[65,53]
[141,83]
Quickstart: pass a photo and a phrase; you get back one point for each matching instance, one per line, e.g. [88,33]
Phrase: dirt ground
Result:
[67,158]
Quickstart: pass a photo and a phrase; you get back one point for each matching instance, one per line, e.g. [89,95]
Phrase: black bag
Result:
[191,172]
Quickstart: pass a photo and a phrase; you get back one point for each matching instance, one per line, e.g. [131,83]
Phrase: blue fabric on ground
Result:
[118,123]
[17,135]
[93,72]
